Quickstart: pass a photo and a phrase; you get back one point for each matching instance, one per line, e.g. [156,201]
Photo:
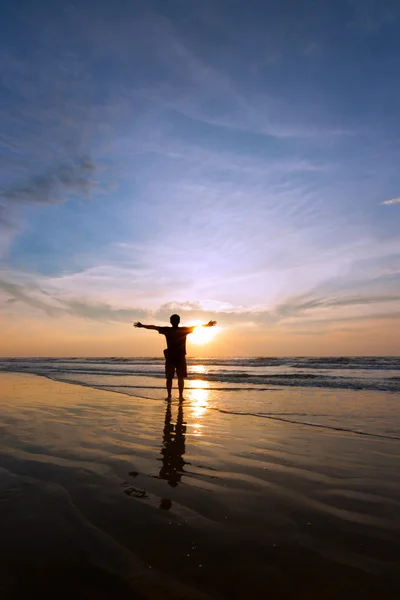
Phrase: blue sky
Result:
[228,159]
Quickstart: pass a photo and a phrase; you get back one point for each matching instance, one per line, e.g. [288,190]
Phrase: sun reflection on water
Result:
[198,369]
[198,402]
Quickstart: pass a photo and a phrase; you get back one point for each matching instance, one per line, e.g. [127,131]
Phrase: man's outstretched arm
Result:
[139,324]
[209,324]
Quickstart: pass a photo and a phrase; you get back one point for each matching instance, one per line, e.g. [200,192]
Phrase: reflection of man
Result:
[173,447]
[175,354]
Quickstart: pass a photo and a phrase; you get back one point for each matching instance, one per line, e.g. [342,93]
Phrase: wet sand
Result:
[108,496]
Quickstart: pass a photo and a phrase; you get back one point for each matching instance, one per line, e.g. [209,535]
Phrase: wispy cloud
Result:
[6,223]
[53,306]
[55,184]
[27,295]
[308,304]
[294,312]
[392,201]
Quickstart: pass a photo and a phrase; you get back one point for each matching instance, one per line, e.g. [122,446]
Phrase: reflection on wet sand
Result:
[174,435]
[173,447]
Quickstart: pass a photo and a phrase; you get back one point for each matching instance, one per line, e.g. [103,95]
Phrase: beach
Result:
[105,495]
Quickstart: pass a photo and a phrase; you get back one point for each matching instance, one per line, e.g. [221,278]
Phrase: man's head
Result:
[174,320]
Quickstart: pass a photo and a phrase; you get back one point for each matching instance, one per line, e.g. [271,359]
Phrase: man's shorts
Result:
[178,365]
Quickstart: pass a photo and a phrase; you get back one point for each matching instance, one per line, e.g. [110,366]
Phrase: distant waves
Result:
[354,373]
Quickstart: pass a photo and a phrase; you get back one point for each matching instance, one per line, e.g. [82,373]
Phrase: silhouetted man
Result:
[175,354]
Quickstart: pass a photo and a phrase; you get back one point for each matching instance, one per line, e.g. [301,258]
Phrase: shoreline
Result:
[119,390]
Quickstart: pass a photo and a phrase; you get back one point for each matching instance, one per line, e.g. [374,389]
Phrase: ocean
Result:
[354,394]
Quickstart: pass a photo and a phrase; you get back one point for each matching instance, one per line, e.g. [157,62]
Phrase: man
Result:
[175,354]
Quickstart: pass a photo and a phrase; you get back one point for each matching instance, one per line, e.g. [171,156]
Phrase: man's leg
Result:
[181,373]
[181,385]
[169,375]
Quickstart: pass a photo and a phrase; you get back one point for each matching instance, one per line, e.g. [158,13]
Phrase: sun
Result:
[203,335]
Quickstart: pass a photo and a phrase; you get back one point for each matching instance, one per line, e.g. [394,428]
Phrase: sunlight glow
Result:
[203,335]
[198,369]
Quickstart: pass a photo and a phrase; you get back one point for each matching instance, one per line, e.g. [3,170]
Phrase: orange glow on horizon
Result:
[45,336]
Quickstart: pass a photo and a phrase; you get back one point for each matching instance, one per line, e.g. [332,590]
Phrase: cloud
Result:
[53,306]
[7,229]
[393,201]
[199,311]
[74,177]
[5,222]
[296,312]
[211,94]
[303,304]
[26,295]
[210,162]
[100,311]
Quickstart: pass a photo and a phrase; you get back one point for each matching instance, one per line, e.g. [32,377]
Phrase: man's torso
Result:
[176,341]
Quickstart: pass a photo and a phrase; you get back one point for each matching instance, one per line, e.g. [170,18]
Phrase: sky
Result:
[221,159]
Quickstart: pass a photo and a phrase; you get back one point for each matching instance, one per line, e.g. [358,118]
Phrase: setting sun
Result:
[203,335]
